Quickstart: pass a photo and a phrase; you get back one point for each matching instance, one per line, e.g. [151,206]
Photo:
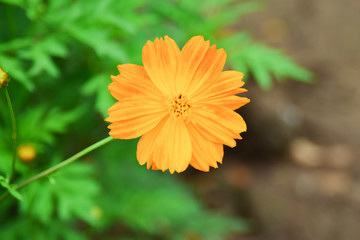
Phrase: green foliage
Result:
[14,66]
[60,55]
[96,87]
[72,189]
[28,228]
[246,56]
[5,183]
[166,206]
[39,125]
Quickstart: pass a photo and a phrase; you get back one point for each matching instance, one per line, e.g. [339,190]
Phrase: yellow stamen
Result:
[179,107]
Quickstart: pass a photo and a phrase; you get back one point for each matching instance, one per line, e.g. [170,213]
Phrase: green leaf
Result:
[216,226]
[71,193]
[5,183]
[54,46]
[15,2]
[57,121]
[15,70]
[42,61]
[43,202]
[99,41]
[15,44]
[119,23]
[76,191]
[34,8]
[40,124]
[97,86]
[263,62]
[226,15]
[5,159]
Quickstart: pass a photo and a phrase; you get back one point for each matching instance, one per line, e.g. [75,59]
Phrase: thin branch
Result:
[13,135]
[60,165]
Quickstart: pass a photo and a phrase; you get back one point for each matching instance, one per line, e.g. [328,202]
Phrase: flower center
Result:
[179,107]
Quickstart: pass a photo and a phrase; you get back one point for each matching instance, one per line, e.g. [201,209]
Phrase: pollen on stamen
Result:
[179,107]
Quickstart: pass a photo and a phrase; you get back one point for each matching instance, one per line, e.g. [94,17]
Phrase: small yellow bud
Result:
[3,78]
[26,152]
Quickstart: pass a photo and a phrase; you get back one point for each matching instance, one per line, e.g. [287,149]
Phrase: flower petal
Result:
[134,127]
[168,145]
[134,117]
[151,164]
[160,60]
[132,81]
[232,102]
[146,144]
[218,124]
[190,58]
[229,83]
[205,153]
[199,63]
[132,108]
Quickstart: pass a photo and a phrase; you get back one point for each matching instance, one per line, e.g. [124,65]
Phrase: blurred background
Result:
[295,174]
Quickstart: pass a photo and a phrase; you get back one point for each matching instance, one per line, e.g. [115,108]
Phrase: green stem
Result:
[60,165]
[4,196]
[13,136]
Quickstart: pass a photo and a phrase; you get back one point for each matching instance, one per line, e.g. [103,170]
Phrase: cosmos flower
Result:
[181,102]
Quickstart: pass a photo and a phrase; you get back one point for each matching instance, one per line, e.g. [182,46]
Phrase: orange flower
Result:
[181,102]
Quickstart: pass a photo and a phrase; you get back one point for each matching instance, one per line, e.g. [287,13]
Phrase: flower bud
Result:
[3,78]
[26,152]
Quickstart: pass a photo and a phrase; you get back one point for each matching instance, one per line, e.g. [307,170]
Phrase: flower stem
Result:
[13,136]
[60,165]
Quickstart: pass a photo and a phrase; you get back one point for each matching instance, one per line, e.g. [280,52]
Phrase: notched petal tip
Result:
[197,38]
[203,169]
[147,45]
[222,50]
[112,132]
[167,38]
[114,77]
[242,90]
[233,144]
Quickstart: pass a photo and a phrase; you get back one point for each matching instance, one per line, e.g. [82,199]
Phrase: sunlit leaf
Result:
[15,70]
[15,2]
[41,124]
[5,183]
[263,62]
[97,86]
[71,193]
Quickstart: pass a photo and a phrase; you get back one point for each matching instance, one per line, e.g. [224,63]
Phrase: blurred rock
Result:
[355,194]
[339,156]
[305,152]
[325,183]
[333,183]
[239,176]
[309,154]
[304,185]
[291,115]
